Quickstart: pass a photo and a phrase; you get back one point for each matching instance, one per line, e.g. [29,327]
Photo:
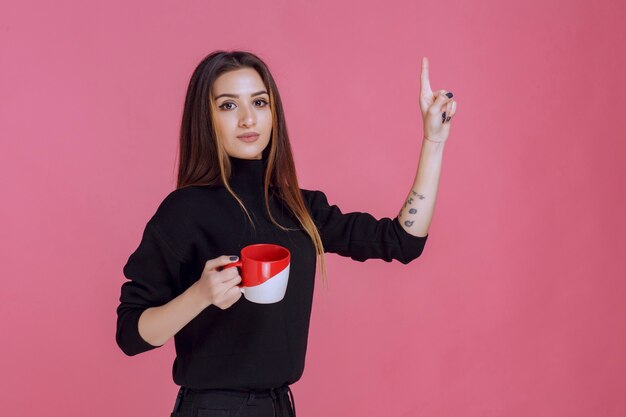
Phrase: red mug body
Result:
[264,270]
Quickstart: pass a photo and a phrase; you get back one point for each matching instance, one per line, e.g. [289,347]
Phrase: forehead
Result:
[240,81]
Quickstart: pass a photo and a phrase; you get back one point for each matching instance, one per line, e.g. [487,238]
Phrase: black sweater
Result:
[248,345]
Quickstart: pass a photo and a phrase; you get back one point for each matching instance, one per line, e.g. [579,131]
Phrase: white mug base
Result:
[271,291]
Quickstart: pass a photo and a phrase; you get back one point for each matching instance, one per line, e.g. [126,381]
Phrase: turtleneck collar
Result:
[247,175]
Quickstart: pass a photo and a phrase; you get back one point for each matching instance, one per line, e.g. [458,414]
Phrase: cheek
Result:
[267,119]
[226,122]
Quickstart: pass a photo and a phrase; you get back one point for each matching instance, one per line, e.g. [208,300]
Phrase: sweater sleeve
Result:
[359,235]
[153,270]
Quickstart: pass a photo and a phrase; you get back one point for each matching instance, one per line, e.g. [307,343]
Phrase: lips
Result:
[248,138]
[247,135]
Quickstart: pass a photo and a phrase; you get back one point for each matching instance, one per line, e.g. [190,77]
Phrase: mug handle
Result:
[237,264]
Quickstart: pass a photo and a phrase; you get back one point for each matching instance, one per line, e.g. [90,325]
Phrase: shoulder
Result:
[182,208]
[177,217]
[181,199]
[315,199]
[175,204]
[192,200]
[312,195]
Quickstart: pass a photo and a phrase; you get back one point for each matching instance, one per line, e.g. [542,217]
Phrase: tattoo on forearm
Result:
[412,210]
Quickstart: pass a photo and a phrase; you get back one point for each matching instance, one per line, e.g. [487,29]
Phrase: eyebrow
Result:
[236,96]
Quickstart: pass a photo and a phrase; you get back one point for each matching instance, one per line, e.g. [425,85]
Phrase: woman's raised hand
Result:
[437,108]
[219,287]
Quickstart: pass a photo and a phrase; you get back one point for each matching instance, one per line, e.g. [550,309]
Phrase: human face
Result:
[242,105]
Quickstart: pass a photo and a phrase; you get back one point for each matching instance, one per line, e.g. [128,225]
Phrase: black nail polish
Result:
[448,119]
[234,258]
[443,116]
[449,95]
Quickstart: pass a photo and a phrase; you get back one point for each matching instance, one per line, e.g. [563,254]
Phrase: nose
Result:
[247,117]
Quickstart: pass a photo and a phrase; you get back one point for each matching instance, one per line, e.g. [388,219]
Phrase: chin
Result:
[246,153]
[251,151]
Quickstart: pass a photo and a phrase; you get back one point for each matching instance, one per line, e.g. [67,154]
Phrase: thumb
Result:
[220,261]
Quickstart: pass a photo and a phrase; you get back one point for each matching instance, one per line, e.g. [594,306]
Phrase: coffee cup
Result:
[264,271]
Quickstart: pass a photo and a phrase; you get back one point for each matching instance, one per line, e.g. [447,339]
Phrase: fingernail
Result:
[443,116]
[448,119]
[234,258]
[449,95]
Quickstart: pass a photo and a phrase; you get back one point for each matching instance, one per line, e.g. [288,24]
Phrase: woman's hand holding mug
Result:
[264,276]
[264,271]
[220,287]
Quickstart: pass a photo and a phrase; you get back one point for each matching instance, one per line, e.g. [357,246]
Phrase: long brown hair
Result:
[204,161]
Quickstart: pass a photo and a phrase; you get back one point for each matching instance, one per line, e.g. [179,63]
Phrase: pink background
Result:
[515,308]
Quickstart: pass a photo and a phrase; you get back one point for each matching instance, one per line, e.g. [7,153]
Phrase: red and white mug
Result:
[264,271]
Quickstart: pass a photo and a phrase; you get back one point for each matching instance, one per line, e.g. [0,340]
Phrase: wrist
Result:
[433,141]
[198,300]
[431,146]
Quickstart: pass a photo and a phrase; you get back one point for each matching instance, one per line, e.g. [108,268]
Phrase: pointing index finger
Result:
[425,77]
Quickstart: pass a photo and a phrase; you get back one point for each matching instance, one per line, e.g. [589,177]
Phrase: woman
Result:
[237,186]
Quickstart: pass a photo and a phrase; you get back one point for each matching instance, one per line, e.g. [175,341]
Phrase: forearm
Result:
[158,324]
[417,212]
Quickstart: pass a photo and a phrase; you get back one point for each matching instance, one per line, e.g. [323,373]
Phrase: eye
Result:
[228,102]
[222,106]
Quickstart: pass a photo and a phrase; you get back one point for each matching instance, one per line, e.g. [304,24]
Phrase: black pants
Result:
[276,402]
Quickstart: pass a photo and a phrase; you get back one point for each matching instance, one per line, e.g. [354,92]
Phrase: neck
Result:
[247,175]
